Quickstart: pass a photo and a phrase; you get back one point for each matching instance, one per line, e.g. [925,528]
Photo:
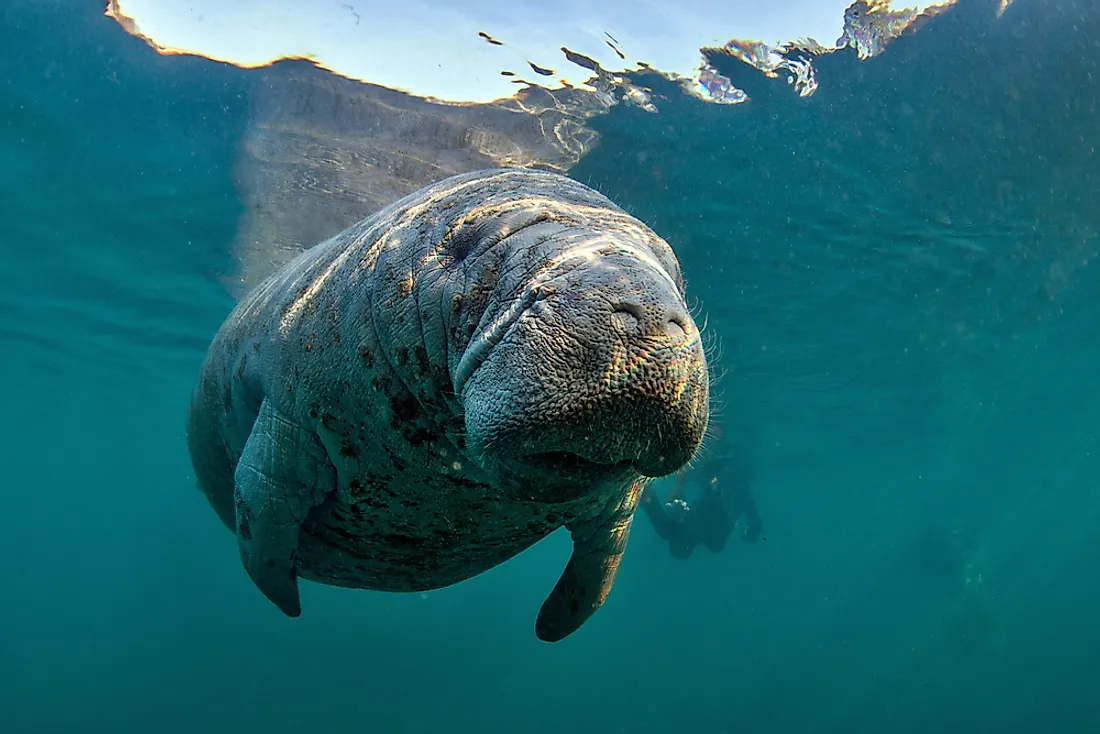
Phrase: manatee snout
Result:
[601,379]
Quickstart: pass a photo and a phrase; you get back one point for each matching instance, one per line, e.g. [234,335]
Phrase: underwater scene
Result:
[442,367]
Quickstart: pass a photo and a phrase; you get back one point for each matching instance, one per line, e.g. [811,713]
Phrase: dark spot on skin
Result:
[227,399]
[245,526]
[466,483]
[574,605]
[486,281]
[420,354]
[551,517]
[348,452]
[314,410]
[534,527]
[374,502]
[334,320]
[441,379]
[419,437]
[340,531]
[328,420]
[402,355]
[366,355]
[382,384]
[271,564]
[405,409]
[349,549]
[402,541]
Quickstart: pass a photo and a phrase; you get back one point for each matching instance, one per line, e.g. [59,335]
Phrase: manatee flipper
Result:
[584,585]
[282,475]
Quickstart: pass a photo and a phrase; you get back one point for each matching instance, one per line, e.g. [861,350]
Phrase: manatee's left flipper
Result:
[597,551]
[284,472]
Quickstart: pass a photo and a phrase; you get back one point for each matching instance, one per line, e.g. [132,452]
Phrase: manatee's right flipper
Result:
[584,585]
[283,473]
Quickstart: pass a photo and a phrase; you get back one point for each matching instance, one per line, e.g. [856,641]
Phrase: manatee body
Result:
[440,386]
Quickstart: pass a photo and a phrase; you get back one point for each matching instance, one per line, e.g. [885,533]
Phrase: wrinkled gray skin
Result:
[437,388]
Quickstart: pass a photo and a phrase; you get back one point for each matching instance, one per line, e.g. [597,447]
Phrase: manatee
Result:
[438,387]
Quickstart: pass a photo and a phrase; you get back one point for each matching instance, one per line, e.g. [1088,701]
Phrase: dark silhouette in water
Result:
[709,519]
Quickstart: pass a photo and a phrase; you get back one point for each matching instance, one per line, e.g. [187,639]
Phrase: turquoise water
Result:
[900,272]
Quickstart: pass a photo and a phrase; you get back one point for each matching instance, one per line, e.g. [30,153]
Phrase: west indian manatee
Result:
[430,392]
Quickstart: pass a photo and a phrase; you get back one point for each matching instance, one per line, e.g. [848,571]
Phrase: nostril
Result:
[676,328]
[627,316]
[634,318]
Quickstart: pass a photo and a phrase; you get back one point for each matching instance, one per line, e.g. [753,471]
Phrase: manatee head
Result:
[585,368]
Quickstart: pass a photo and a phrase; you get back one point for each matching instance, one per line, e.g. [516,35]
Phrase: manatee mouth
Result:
[567,461]
[563,476]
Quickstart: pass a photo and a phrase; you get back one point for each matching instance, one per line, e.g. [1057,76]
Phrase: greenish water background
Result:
[900,270]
